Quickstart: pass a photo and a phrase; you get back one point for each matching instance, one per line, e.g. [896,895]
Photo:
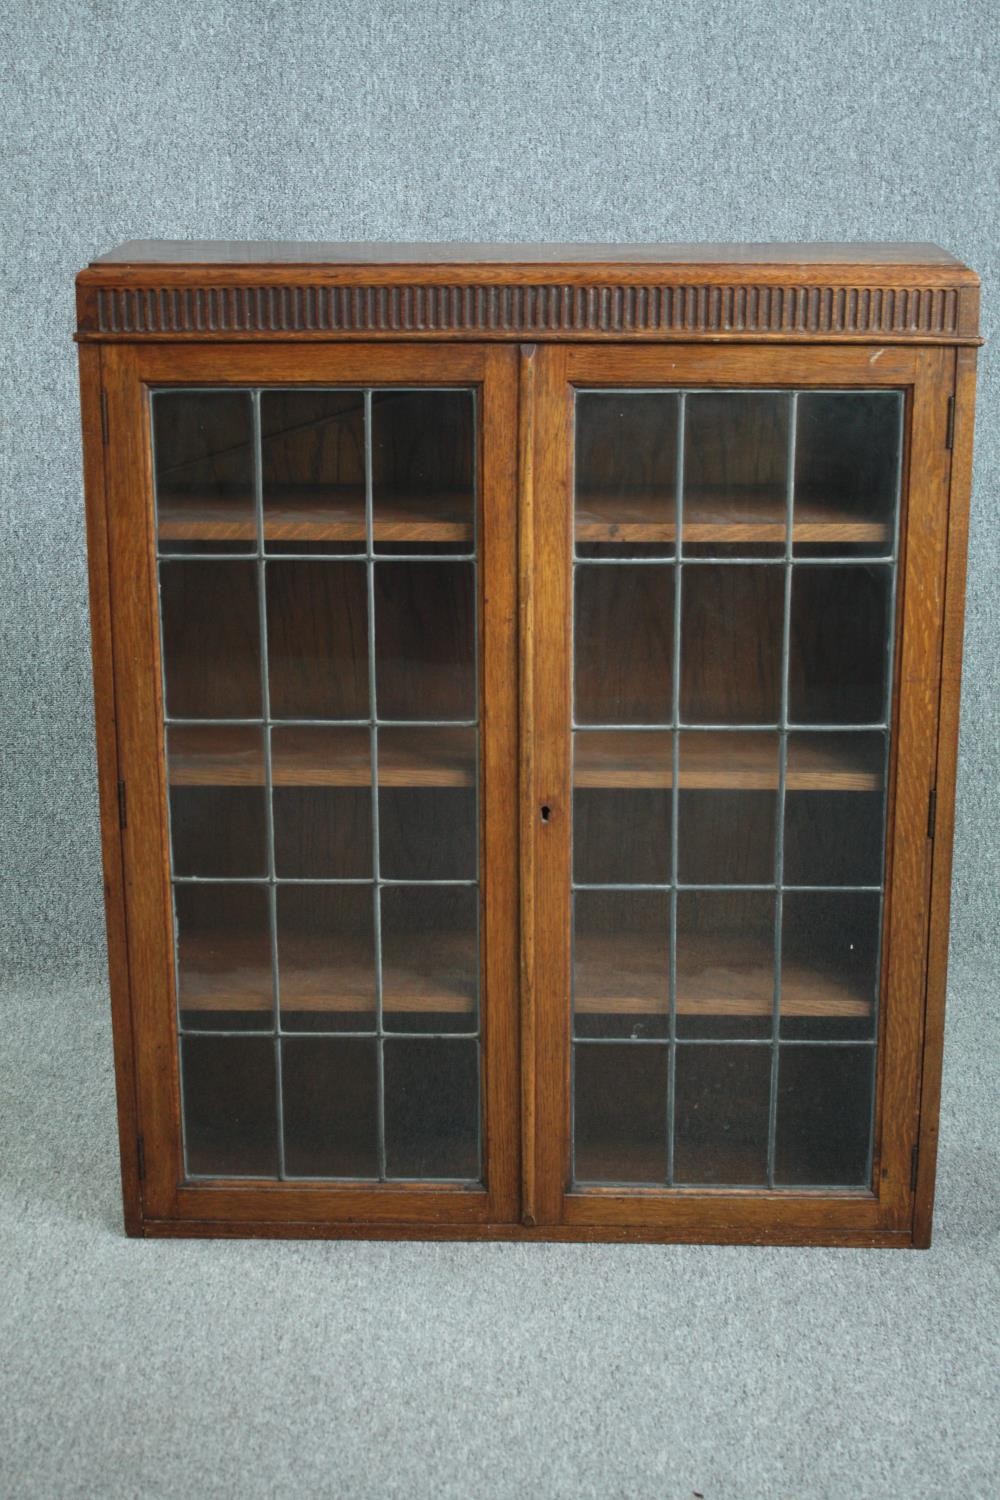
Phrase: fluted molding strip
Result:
[524,311]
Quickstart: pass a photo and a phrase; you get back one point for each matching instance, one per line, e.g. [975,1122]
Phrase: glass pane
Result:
[313,469]
[292,799]
[330,1094]
[841,761]
[758,808]
[218,804]
[626,473]
[623,644]
[230,1119]
[317,640]
[423,460]
[322,802]
[621,963]
[824,1116]
[829,964]
[847,455]
[621,836]
[736,474]
[432,1108]
[211,639]
[622,808]
[326,957]
[427,804]
[834,809]
[224,978]
[203,466]
[726,838]
[721,1114]
[725,963]
[430,960]
[425,640]
[838,662]
[731,630]
[727,808]
[312,755]
[620,1112]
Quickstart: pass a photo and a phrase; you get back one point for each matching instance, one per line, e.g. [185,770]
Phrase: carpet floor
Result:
[144,1368]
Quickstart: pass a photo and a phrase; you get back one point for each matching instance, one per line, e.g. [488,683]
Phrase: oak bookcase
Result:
[527,694]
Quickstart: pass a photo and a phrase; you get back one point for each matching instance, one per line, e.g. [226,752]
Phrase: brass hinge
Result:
[122,808]
[932,812]
[914,1163]
[104,418]
[140,1157]
[949,440]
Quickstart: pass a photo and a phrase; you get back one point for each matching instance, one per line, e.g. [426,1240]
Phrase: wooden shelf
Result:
[233,755]
[720,976]
[233,973]
[313,514]
[716,977]
[733,759]
[730,516]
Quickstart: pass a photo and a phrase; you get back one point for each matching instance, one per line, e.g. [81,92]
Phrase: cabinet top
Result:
[226,289]
[452,253]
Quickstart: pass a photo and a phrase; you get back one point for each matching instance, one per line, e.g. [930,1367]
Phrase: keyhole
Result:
[546,812]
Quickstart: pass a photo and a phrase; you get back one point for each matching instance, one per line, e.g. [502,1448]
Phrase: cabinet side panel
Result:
[91,393]
[922,580]
[947,755]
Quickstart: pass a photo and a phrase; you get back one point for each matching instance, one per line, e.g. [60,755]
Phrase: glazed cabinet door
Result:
[733,697]
[313,573]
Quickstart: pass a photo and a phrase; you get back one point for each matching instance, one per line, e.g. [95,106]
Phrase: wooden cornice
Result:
[869,293]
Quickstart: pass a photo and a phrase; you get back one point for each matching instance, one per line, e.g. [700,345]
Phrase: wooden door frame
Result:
[886,1213]
[127,676]
[534,427]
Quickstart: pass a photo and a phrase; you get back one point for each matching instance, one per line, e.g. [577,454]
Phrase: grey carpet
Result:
[134,1368]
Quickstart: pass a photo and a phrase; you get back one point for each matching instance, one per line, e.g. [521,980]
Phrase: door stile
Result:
[527,366]
[548,803]
[140,740]
[498,713]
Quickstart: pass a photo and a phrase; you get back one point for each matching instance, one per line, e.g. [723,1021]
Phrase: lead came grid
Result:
[789,561]
[272,882]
